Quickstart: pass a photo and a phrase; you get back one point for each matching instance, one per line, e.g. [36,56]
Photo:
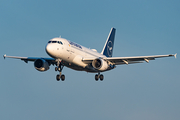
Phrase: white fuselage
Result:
[71,54]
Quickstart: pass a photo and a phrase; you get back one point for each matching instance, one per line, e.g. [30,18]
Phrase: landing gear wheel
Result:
[62,77]
[56,68]
[101,77]
[58,77]
[96,77]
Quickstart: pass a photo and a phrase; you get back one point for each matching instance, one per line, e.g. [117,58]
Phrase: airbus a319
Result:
[72,55]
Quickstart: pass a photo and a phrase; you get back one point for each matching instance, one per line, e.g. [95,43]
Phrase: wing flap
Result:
[122,63]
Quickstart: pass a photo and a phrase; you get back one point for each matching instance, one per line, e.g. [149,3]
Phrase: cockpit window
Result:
[60,42]
[56,42]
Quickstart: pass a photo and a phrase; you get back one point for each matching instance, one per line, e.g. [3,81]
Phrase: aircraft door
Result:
[60,49]
[68,52]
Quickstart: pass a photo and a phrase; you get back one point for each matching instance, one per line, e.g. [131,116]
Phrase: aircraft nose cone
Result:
[49,49]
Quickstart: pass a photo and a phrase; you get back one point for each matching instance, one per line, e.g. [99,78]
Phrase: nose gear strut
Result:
[59,68]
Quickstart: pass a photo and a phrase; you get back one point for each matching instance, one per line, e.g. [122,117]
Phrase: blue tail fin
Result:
[108,47]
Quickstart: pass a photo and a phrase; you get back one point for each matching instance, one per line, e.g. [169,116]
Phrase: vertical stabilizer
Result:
[108,47]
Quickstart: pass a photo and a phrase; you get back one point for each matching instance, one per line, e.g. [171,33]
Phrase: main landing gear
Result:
[59,68]
[99,76]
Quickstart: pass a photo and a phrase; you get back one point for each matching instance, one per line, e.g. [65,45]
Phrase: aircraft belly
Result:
[72,66]
[80,68]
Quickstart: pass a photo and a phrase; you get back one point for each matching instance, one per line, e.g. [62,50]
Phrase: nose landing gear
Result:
[59,68]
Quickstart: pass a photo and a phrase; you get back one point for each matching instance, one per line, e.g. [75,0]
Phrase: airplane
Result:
[64,52]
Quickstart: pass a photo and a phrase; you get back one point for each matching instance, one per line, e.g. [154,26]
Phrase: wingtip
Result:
[4,56]
[175,55]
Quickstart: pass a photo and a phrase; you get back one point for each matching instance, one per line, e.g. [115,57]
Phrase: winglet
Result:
[175,55]
[4,56]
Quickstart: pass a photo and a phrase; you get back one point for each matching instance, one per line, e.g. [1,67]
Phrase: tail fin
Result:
[108,47]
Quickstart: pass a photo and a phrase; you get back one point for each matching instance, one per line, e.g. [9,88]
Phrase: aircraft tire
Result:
[58,77]
[62,77]
[96,77]
[101,77]
[56,68]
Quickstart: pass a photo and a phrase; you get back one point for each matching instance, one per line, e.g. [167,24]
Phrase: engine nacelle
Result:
[100,64]
[41,65]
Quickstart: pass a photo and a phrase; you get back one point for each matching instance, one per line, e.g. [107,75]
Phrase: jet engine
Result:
[41,65]
[100,64]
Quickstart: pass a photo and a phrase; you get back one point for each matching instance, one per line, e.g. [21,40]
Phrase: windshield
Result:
[56,42]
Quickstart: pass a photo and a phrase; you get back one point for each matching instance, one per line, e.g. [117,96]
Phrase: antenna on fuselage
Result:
[60,36]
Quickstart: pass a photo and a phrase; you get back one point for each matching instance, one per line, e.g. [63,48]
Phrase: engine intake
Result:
[100,64]
[41,65]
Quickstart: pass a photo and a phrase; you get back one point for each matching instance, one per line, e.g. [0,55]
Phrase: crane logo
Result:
[109,48]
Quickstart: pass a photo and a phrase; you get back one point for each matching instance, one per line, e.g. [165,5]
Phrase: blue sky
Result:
[139,91]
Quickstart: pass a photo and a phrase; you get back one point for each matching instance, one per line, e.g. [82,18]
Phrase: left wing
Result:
[26,59]
[128,60]
[138,59]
